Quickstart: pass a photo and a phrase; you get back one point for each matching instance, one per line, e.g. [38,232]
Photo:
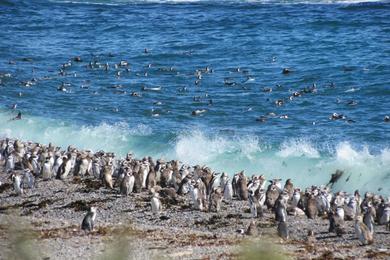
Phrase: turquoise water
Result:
[343,47]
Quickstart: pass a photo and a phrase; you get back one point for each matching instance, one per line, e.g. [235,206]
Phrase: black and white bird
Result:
[89,219]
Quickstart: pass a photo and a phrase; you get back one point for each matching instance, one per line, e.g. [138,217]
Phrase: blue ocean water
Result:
[341,47]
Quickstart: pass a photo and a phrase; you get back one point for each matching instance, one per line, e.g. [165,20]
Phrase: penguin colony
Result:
[27,162]
[122,69]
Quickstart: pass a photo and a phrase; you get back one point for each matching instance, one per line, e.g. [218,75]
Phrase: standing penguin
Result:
[156,204]
[28,179]
[362,232]
[127,184]
[242,186]
[65,168]
[228,191]
[107,176]
[151,180]
[46,169]
[215,200]
[311,210]
[385,218]
[10,163]
[89,219]
[283,230]
[252,229]
[17,180]
[369,216]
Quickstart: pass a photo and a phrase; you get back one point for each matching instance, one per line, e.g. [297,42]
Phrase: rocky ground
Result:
[44,223]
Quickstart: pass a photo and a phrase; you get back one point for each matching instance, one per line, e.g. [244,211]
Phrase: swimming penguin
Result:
[89,219]
[17,181]
[156,204]
[386,119]
[198,112]
[363,234]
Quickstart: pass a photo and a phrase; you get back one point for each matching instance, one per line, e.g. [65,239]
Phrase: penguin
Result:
[242,186]
[289,187]
[46,170]
[235,184]
[145,172]
[311,238]
[65,168]
[252,229]
[362,232]
[10,163]
[82,165]
[281,208]
[228,191]
[184,186]
[272,195]
[36,165]
[156,204]
[198,195]
[17,181]
[311,210]
[96,169]
[385,218]
[283,231]
[151,179]
[28,179]
[215,200]
[138,179]
[252,204]
[296,197]
[57,164]
[351,209]
[336,224]
[369,217]
[89,219]
[126,184]
[107,177]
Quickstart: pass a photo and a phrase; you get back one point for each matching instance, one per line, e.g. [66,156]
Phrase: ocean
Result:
[223,58]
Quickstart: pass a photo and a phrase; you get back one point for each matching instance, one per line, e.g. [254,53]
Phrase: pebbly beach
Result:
[44,218]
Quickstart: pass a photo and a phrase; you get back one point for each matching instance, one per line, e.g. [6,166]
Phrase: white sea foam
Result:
[298,148]
[297,158]
[110,137]
[197,148]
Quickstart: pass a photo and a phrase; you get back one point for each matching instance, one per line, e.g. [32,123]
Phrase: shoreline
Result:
[53,211]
